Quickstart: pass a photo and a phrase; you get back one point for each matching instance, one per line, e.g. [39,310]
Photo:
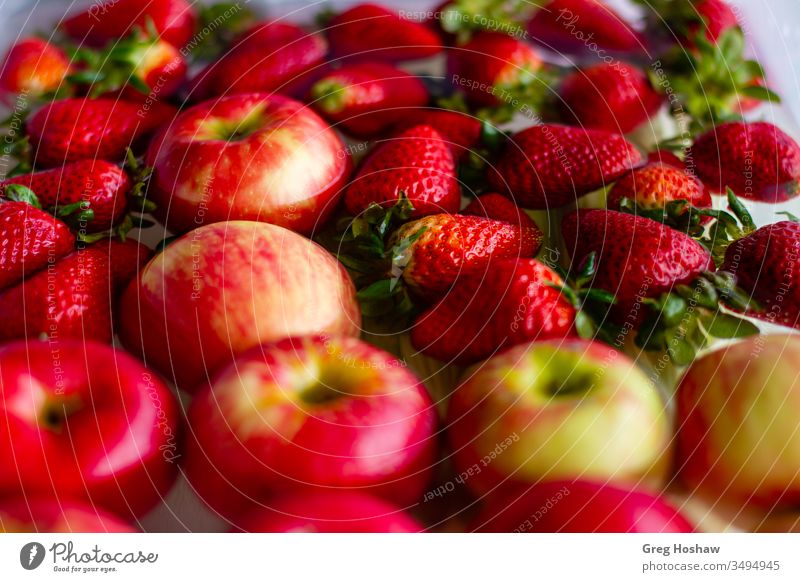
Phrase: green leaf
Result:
[760,93]
[20,193]
[585,326]
[727,326]
[680,349]
[741,212]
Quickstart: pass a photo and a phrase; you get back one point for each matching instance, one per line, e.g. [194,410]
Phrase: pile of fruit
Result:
[488,267]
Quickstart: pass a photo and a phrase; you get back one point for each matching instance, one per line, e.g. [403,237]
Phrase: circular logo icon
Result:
[31,555]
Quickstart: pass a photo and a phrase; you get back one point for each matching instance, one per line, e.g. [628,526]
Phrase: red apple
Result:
[86,422]
[312,413]
[738,423]
[248,157]
[557,410]
[227,287]
[582,507]
[43,515]
[328,512]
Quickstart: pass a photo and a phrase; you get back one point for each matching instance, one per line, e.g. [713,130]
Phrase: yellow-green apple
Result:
[310,413]
[738,423]
[227,287]
[557,410]
[328,512]
[80,420]
[50,515]
[581,506]
[247,157]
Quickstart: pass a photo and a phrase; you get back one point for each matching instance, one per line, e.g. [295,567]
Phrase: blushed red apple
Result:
[581,507]
[738,423]
[557,409]
[81,420]
[328,512]
[247,157]
[311,413]
[226,287]
[47,515]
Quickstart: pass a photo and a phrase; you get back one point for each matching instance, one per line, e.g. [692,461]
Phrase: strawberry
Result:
[86,129]
[662,156]
[127,258]
[365,99]
[275,66]
[655,186]
[583,26]
[445,247]
[685,20]
[33,66]
[548,166]
[636,257]
[513,301]
[138,67]
[110,20]
[462,131]
[272,33]
[766,263]
[70,299]
[372,32]
[614,97]
[494,69]
[717,17]
[93,185]
[756,160]
[499,208]
[416,162]
[32,239]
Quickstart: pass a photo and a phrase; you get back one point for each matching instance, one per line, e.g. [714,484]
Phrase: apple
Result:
[582,506]
[83,421]
[226,287]
[739,426]
[310,413]
[556,410]
[329,512]
[247,157]
[44,515]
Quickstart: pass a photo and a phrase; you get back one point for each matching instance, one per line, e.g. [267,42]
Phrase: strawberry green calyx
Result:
[685,320]
[466,17]
[20,193]
[223,21]
[712,80]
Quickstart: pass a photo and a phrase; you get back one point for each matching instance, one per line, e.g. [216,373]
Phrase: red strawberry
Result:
[583,26]
[417,162]
[272,33]
[372,32]
[254,67]
[653,186]
[32,239]
[70,299]
[366,99]
[34,67]
[127,259]
[446,247]
[462,131]
[510,303]
[615,97]
[547,166]
[636,257]
[87,129]
[717,16]
[767,265]
[756,160]
[493,67]
[107,21]
[499,208]
[101,185]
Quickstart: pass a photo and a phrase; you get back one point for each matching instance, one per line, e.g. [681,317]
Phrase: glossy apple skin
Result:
[289,169]
[44,515]
[581,507]
[738,423]
[503,420]
[328,512]
[87,422]
[267,425]
[224,288]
